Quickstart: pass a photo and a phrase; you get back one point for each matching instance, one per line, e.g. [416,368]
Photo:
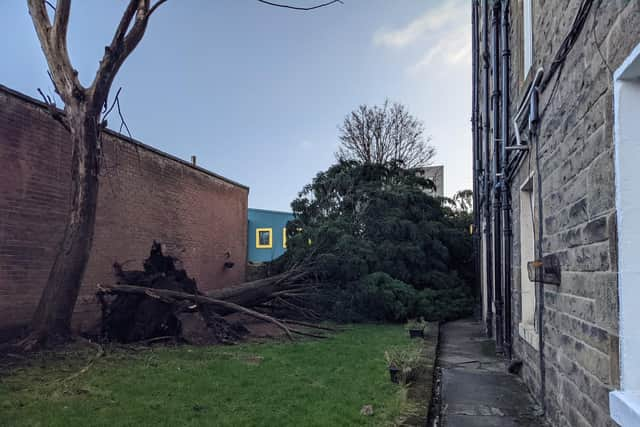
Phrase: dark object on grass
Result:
[394,374]
[416,333]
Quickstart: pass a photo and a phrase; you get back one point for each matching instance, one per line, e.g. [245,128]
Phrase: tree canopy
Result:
[384,134]
[373,228]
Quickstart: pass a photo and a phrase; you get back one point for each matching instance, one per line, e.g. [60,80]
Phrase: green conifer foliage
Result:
[389,250]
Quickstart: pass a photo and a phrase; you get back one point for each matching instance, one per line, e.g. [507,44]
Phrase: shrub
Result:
[444,304]
[381,297]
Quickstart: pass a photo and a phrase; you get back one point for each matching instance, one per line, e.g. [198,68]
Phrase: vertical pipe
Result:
[533,126]
[486,168]
[506,199]
[476,148]
[497,235]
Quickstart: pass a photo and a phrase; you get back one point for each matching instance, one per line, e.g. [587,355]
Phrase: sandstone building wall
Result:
[580,326]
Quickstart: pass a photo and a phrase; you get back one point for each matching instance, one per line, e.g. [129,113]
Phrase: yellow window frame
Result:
[284,238]
[270,244]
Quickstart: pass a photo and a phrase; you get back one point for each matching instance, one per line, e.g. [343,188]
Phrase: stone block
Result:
[594,257]
[580,307]
[585,284]
[563,195]
[573,215]
[601,196]
[551,224]
[606,301]
[595,231]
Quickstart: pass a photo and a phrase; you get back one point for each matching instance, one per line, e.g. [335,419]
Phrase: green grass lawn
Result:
[306,383]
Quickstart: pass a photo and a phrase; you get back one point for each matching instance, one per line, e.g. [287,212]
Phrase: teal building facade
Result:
[267,236]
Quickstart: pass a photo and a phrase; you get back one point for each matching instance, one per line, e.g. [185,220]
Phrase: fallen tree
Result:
[166,296]
[162,301]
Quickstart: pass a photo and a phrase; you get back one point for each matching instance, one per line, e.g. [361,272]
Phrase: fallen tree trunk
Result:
[168,296]
[251,294]
[162,300]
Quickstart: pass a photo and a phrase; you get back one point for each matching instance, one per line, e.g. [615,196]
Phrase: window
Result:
[284,237]
[264,238]
[527,327]
[527,35]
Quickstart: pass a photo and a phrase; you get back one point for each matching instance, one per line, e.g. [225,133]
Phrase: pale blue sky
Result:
[257,92]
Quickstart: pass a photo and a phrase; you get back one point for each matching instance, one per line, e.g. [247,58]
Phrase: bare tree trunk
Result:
[52,319]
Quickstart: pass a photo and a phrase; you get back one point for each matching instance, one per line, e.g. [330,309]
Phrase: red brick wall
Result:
[144,195]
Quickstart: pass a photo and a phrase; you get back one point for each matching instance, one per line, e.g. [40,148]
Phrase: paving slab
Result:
[476,388]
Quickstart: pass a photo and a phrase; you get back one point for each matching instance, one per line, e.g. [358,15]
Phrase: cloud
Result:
[444,31]
[452,48]
[433,20]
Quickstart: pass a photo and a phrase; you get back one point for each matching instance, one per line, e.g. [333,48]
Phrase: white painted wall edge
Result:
[624,407]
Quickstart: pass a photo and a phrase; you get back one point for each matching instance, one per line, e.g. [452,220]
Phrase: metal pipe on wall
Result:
[496,177]
[476,148]
[534,122]
[486,168]
[506,199]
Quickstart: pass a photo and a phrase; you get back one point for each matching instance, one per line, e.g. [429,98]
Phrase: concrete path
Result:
[476,388]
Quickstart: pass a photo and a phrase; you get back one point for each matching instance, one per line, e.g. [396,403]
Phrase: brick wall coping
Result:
[125,138]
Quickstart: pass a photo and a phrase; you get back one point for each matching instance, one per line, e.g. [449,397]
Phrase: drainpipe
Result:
[486,183]
[476,148]
[534,122]
[506,199]
[497,228]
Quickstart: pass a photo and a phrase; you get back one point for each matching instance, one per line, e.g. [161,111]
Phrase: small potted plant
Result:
[416,328]
[401,362]
[394,374]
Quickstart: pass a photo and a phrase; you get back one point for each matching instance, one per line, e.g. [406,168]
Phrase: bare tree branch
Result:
[53,110]
[286,6]
[106,113]
[384,134]
[128,34]
[155,6]
[53,40]
[125,21]
[60,25]
[123,122]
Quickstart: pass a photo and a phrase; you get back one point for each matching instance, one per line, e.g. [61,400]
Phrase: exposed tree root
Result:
[169,296]
[163,301]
